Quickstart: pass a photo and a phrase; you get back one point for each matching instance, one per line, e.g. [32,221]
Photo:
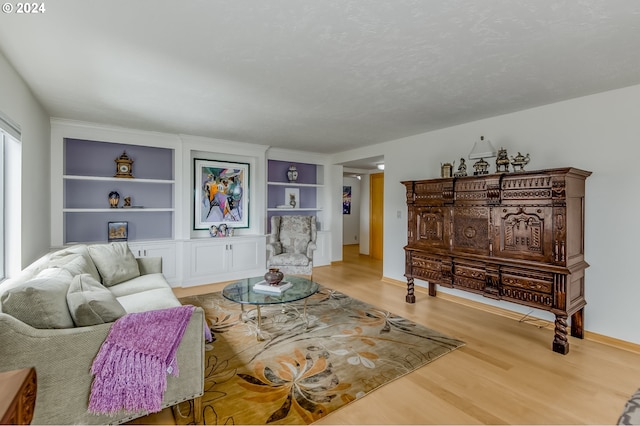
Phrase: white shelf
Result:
[293,184]
[311,209]
[115,179]
[119,210]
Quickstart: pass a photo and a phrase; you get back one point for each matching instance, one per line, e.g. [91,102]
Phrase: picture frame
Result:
[346,199]
[221,194]
[292,198]
[117,231]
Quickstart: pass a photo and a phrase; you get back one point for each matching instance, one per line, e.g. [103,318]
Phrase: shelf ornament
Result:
[124,166]
[292,173]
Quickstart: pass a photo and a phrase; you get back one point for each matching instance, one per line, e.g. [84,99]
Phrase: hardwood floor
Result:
[505,374]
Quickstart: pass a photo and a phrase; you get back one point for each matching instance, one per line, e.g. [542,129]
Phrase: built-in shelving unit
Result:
[88,178]
[308,187]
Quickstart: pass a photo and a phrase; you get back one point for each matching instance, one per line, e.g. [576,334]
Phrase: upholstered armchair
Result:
[291,244]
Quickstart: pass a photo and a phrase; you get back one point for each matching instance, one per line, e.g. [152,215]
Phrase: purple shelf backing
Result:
[92,158]
[307,173]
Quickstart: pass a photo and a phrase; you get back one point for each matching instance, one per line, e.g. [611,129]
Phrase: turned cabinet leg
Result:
[411,297]
[560,341]
[577,324]
[432,289]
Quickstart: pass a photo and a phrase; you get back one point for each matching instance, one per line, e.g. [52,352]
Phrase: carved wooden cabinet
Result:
[18,390]
[512,236]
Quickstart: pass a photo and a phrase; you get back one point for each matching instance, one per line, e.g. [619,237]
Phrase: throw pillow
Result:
[75,259]
[91,303]
[42,301]
[115,262]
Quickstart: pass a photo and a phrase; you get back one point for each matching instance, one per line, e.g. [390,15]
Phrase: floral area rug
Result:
[306,366]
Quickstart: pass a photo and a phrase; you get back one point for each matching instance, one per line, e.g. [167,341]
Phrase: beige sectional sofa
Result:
[57,313]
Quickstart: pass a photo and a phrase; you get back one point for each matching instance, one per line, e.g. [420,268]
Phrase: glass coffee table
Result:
[242,292]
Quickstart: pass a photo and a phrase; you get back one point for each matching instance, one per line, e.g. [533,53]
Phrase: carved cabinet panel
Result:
[524,232]
[431,227]
[511,236]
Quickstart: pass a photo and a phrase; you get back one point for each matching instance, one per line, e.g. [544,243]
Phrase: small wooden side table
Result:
[17,396]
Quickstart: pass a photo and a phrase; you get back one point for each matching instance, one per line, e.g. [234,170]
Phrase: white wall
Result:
[18,103]
[351,222]
[599,133]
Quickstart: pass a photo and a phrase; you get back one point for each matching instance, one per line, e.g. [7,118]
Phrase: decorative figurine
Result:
[114,199]
[127,202]
[124,166]
[462,169]
[520,161]
[481,167]
[502,162]
[292,200]
[292,173]
[446,169]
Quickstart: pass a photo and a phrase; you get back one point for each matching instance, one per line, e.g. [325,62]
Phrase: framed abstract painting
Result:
[221,194]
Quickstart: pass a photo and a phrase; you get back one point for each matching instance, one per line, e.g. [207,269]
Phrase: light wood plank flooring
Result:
[506,373]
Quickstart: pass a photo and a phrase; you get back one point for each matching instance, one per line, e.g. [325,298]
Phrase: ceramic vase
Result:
[292,173]
[273,276]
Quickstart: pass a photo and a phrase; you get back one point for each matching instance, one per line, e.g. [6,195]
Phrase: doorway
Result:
[376,215]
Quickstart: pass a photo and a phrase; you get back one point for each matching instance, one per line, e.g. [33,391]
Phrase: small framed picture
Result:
[292,197]
[118,231]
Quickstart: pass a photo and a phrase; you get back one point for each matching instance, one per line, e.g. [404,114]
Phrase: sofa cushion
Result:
[139,284]
[42,301]
[289,259]
[115,262]
[91,303]
[159,298]
[75,259]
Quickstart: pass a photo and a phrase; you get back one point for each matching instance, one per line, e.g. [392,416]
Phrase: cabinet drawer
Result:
[525,297]
[469,276]
[540,282]
[430,269]
[420,262]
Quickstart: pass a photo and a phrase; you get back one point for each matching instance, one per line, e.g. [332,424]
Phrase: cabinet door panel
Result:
[245,255]
[471,231]
[208,259]
[168,255]
[524,233]
[431,227]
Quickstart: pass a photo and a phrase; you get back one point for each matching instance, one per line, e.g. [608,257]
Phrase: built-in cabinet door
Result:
[167,251]
[223,259]
[243,255]
[208,259]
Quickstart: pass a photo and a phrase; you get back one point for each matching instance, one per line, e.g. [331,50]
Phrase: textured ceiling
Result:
[317,75]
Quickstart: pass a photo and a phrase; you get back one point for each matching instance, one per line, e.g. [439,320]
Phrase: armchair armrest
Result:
[310,248]
[274,249]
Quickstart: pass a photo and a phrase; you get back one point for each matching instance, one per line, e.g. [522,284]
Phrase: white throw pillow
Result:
[115,262]
[91,303]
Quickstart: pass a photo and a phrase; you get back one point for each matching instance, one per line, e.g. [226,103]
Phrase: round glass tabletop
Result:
[242,291]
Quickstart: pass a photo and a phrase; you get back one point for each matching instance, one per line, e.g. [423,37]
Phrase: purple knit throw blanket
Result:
[131,367]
